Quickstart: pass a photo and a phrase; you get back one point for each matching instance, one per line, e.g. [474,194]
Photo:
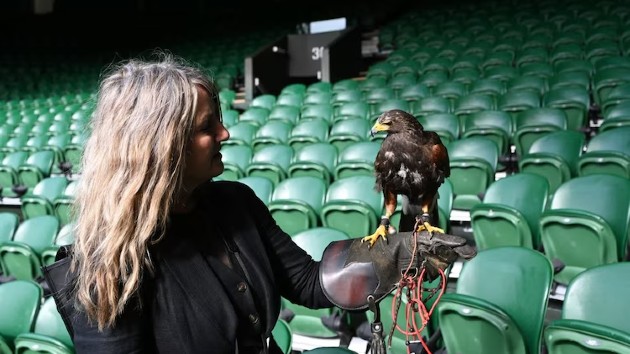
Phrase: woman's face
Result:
[203,159]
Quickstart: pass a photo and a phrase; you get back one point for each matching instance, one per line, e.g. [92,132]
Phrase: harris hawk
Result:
[412,162]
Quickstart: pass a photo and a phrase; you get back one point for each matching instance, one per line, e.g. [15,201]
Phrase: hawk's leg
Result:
[384,228]
[426,225]
[381,231]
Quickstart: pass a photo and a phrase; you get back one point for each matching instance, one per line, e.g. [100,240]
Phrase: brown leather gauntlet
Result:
[350,271]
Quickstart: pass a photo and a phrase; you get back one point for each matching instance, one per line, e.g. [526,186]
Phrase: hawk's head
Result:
[395,121]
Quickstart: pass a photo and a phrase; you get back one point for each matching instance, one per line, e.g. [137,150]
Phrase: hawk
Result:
[412,162]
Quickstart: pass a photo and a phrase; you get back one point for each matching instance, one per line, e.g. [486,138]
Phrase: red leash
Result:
[415,304]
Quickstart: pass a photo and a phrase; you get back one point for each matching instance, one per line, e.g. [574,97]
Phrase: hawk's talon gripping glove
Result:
[350,272]
[389,228]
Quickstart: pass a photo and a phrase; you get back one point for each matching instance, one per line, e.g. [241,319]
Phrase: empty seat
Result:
[20,301]
[241,133]
[533,123]
[317,160]
[353,206]
[357,159]
[271,162]
[271,133]
[40,200]
[296,203]
[307,132]
[607,152]
[22,256]
[586,223]
[575,103]
[349,131]
[592,319]
[262,187]
[554,156]
[510,212]
[499,305]
[473,163]
[445,125]
[49,333]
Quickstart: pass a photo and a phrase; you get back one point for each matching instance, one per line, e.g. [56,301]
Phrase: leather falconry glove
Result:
[351,272]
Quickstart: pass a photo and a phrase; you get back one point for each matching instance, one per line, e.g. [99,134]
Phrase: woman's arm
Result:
[295,271]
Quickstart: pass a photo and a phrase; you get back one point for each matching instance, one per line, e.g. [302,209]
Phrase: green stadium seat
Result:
[296,203]
[308,322]
[510,211]
[21,301]
[271,133]
[353,206]
[473,164]
[309,131]
[241,133]
[262,187]
[236,158]
[617,116]
[39,201]
[49,334]
[22,256]
[534,123]
[499,304]
[592,320]
[349,131]
[255,115]
[63,203]
[317,160]
[271,162]
[445,125]
[357,159]
[586,223]
[607,152]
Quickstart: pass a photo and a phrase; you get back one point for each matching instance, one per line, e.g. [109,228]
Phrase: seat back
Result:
[586,223]
[241,133]
[499,304]
[349,131]
[21,257]
[357,159]
[315,240]
[283,335]
[49,334]
[473,164]
[9,222]
[495,125]
[40,200]
[592,320]
[262,187]
[445,125]
[271,162]
[273,132]
[352,205]
[554,156]
[510,211]
[607,152]
[235,159]
[534,123]
[255,115]
[296,203]
[317,160]
[20,301]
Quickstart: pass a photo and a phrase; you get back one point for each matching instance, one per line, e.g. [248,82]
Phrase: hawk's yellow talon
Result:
[431,229]
[381,231]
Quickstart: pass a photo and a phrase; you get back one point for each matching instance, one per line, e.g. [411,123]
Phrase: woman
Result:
[166,260]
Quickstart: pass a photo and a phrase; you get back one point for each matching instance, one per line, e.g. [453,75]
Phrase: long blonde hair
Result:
[132,171]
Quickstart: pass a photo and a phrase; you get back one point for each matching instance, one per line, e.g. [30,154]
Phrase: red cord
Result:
[415,288]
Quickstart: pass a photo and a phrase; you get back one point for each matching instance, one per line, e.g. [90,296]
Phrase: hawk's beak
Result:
[378,127]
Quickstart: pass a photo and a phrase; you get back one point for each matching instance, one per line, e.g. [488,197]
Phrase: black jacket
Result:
[185,307]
